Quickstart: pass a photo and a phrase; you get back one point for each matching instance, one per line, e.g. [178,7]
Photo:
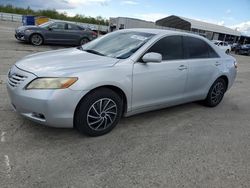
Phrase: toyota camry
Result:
[120,74]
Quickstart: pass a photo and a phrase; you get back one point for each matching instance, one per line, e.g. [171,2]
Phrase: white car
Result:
[120,74]
[223,45]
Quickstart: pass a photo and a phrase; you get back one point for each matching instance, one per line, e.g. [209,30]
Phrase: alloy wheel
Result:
[36,40]
[84,41]
[217,92]
[102,114]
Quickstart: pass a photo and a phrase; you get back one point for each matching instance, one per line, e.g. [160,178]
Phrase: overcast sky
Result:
[231,13]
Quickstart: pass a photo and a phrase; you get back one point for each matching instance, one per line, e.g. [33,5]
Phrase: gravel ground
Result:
[184,146]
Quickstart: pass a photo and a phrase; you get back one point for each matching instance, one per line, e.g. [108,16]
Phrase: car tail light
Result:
[94,34]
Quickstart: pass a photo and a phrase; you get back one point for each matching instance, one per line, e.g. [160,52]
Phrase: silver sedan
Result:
[120,74]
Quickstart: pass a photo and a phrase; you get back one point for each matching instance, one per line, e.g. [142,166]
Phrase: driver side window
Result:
[169,47]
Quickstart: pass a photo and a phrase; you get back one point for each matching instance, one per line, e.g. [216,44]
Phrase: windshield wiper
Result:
[93,52]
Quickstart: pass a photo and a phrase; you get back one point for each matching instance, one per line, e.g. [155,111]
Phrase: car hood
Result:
[63,62]
[22,28]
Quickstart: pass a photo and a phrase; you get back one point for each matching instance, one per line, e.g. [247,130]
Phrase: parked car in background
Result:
[234,46]
[223,45]
[55,32]
[123,73]
[243,49]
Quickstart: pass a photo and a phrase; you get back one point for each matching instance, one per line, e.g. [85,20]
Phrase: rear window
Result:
[196,48]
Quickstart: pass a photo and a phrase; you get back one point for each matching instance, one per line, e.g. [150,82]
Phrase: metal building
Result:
[209,30]
[127,23]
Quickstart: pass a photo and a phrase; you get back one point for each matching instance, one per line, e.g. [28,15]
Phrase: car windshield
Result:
[119,45]
[46,24]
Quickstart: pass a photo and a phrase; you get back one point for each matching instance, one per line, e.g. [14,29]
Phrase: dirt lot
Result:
[185,146]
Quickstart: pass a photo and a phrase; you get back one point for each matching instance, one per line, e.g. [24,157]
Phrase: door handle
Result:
[217,64]
[182,67]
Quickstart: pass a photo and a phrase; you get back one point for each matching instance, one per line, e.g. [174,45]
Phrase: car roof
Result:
[163,32]
[62,21]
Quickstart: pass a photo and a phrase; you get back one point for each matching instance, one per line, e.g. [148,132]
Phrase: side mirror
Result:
[50,28]
[152,57]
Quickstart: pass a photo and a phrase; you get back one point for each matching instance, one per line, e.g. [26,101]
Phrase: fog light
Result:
[38,115]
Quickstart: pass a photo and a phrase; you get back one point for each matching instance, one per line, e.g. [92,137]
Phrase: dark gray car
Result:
[55,32]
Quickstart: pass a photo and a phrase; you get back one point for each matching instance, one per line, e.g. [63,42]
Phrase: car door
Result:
[203,63]
[160,84]
[56,33]
[74,33]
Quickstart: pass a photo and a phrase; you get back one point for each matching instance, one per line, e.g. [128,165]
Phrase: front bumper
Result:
[21,36]
[48,107]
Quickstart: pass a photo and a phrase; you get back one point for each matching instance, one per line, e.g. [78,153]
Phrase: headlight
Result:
[51,83]
[28,31]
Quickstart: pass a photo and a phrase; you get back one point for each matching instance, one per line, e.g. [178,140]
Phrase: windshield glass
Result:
[46,24]
[119,45]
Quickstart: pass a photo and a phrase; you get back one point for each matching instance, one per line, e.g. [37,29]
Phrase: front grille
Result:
[15,79]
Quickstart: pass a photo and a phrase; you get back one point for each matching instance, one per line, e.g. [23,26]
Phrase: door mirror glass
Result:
[152,57]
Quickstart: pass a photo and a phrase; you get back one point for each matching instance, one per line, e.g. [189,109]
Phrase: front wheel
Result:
[36,39]
[98,112]
[216,93]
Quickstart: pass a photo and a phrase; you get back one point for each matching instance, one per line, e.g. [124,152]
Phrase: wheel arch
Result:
[116,89]
[84,37]
[225,78]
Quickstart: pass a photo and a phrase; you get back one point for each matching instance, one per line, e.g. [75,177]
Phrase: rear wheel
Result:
[216,93]
[36,39]
[84,41]
[99,112]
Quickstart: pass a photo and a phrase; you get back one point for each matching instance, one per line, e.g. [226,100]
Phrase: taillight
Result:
[94,34]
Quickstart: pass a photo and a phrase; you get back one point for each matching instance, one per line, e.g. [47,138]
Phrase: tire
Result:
[248,53]
[84,40]
[227,51]
[36,39]
[236,52]
[216,93]
[92,120]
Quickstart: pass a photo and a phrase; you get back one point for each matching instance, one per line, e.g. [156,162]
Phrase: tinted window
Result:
[212,53]
[195,48]
[169,47]
[72,27]
[58,26]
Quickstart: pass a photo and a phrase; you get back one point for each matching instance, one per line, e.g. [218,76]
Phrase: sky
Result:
[231,13]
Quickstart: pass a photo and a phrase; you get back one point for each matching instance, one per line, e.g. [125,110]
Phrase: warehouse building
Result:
[209,30]
[127,23]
